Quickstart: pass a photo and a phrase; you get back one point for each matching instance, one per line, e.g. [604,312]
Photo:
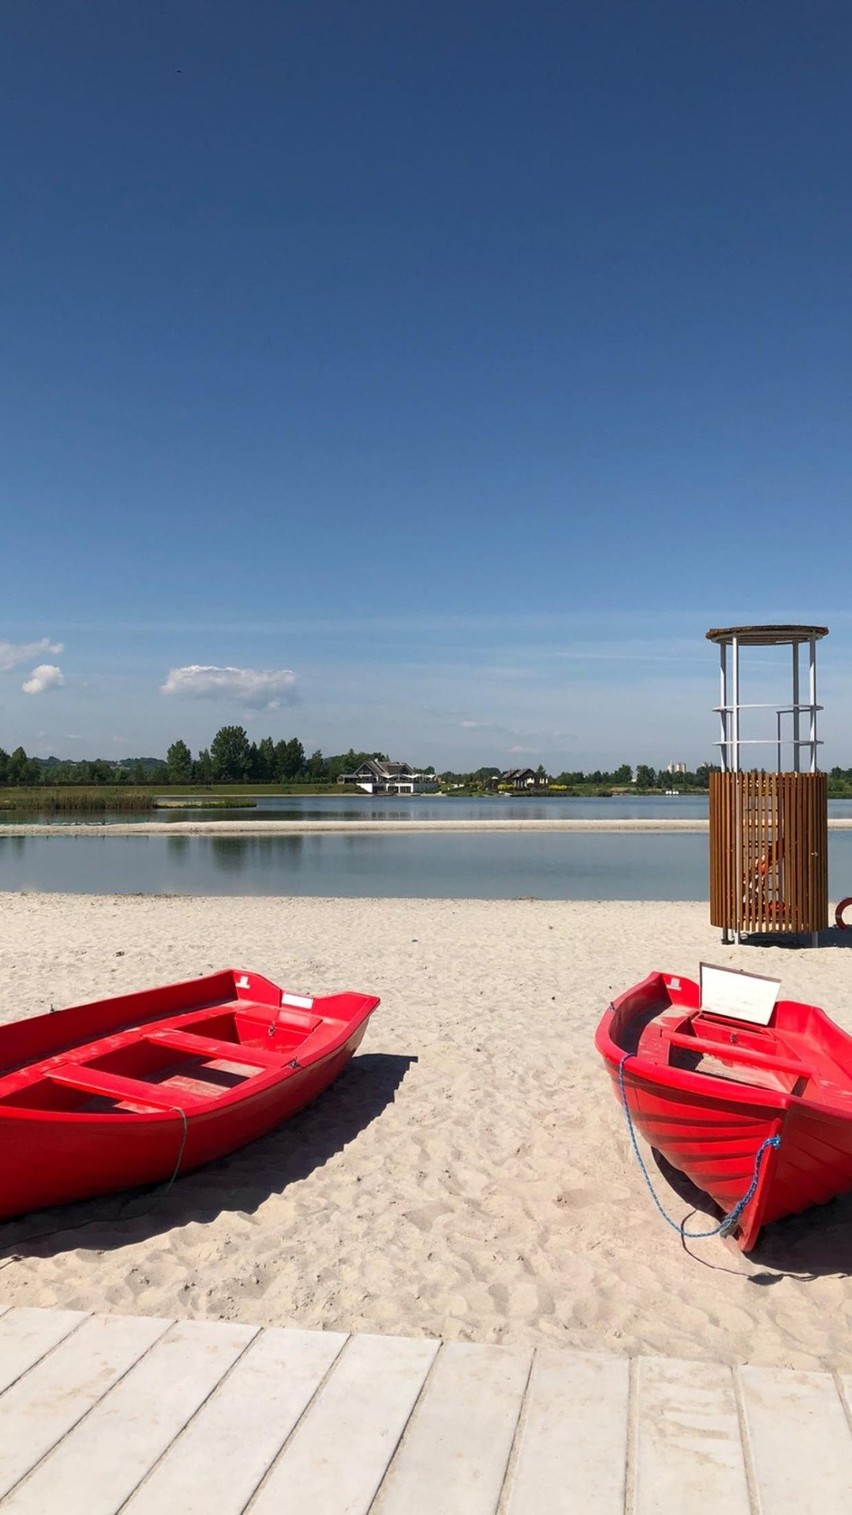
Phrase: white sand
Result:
[470,1175]
[70,829]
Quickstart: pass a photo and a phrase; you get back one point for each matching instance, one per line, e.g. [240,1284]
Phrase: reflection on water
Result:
[487,865]
[420,808]
[232,854]
[324,807]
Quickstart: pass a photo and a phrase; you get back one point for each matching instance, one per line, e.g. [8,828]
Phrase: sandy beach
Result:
[470,1175]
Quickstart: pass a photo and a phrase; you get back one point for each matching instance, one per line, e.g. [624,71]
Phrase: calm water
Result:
[322,807]
[487,866]
[351,807]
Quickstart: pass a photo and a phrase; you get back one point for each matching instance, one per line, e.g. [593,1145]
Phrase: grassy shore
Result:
[127,799]
[81,799]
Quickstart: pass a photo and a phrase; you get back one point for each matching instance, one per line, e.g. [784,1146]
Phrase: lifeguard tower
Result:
[768,828]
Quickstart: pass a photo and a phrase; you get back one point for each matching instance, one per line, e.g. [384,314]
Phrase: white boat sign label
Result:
[739,996]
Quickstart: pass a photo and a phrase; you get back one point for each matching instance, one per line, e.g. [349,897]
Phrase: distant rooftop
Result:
[766,636]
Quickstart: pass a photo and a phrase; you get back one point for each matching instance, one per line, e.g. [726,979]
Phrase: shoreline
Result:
[470,1175]
[373,828]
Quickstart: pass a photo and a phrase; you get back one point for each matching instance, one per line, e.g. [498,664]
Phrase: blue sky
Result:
[422,376]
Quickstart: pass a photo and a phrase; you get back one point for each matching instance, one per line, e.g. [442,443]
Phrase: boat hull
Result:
[204,1097]
[712,1129]
[713,1142]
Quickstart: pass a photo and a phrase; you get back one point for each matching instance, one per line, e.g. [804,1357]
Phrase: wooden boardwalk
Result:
[101,1413]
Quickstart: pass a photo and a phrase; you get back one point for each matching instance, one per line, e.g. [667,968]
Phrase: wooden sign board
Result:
[738,996]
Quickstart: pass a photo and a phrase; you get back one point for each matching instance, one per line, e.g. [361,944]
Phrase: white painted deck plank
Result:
[46,1403]
[457,1447]
[688,1452]
[216,1464]
[100,1463]
[340,1451]
[573,1446]
[800,1441]
[26,1335]
[109,1413]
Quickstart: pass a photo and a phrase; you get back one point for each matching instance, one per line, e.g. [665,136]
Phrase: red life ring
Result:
[773,854]
[839,922]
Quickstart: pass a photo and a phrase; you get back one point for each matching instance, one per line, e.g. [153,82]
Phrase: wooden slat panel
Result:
[217,1463]
[769,851]
[43,1406]
[340,1451]
[573,1447]
[457,1447]
[97,1466]
[799,1439]
[688,1450]
[27,1335]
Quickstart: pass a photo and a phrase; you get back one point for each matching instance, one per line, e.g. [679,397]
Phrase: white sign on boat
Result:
[736,995]
[298,1001]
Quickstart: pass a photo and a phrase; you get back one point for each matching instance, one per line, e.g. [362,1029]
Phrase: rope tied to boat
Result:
[729,1222]
[184,1134]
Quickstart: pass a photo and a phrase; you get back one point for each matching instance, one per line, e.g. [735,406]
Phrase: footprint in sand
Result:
[425,1218]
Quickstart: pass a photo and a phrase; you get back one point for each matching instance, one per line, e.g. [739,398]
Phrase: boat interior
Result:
[799,1053]
[173,1063]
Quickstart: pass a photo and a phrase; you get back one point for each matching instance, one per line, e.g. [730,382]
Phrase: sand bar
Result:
[373,828]
[470,1177]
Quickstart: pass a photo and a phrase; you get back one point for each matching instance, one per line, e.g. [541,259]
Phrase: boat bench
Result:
[211,1048]
[116,1086]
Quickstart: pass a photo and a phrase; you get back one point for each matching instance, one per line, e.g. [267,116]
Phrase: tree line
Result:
[230,759]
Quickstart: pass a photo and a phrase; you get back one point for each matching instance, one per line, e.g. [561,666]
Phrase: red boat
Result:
[137,1089]
[759,1116]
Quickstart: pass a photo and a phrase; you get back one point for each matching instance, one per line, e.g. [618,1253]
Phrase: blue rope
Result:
[728,1222]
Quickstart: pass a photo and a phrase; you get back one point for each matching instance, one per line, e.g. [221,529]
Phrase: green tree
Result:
[230,755]
[202,768]
[623,775]
[97,772]
[179,761]
[265,762]
[316,768]
[18,766]
[289,760]
[646,778]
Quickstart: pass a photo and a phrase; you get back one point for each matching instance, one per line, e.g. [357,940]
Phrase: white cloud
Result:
[13,654]
[45,676]
[257,688]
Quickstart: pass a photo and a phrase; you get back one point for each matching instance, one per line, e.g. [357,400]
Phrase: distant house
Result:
[523,778]
[377,777]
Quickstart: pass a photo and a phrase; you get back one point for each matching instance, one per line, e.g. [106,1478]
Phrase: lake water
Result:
[579,865]
[553,865]
[364,807]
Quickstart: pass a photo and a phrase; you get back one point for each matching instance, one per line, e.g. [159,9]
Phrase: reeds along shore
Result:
[84,801]
[470,1175]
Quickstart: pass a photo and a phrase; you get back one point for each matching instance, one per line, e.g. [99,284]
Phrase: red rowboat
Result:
[734,1104]
[134,1090]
